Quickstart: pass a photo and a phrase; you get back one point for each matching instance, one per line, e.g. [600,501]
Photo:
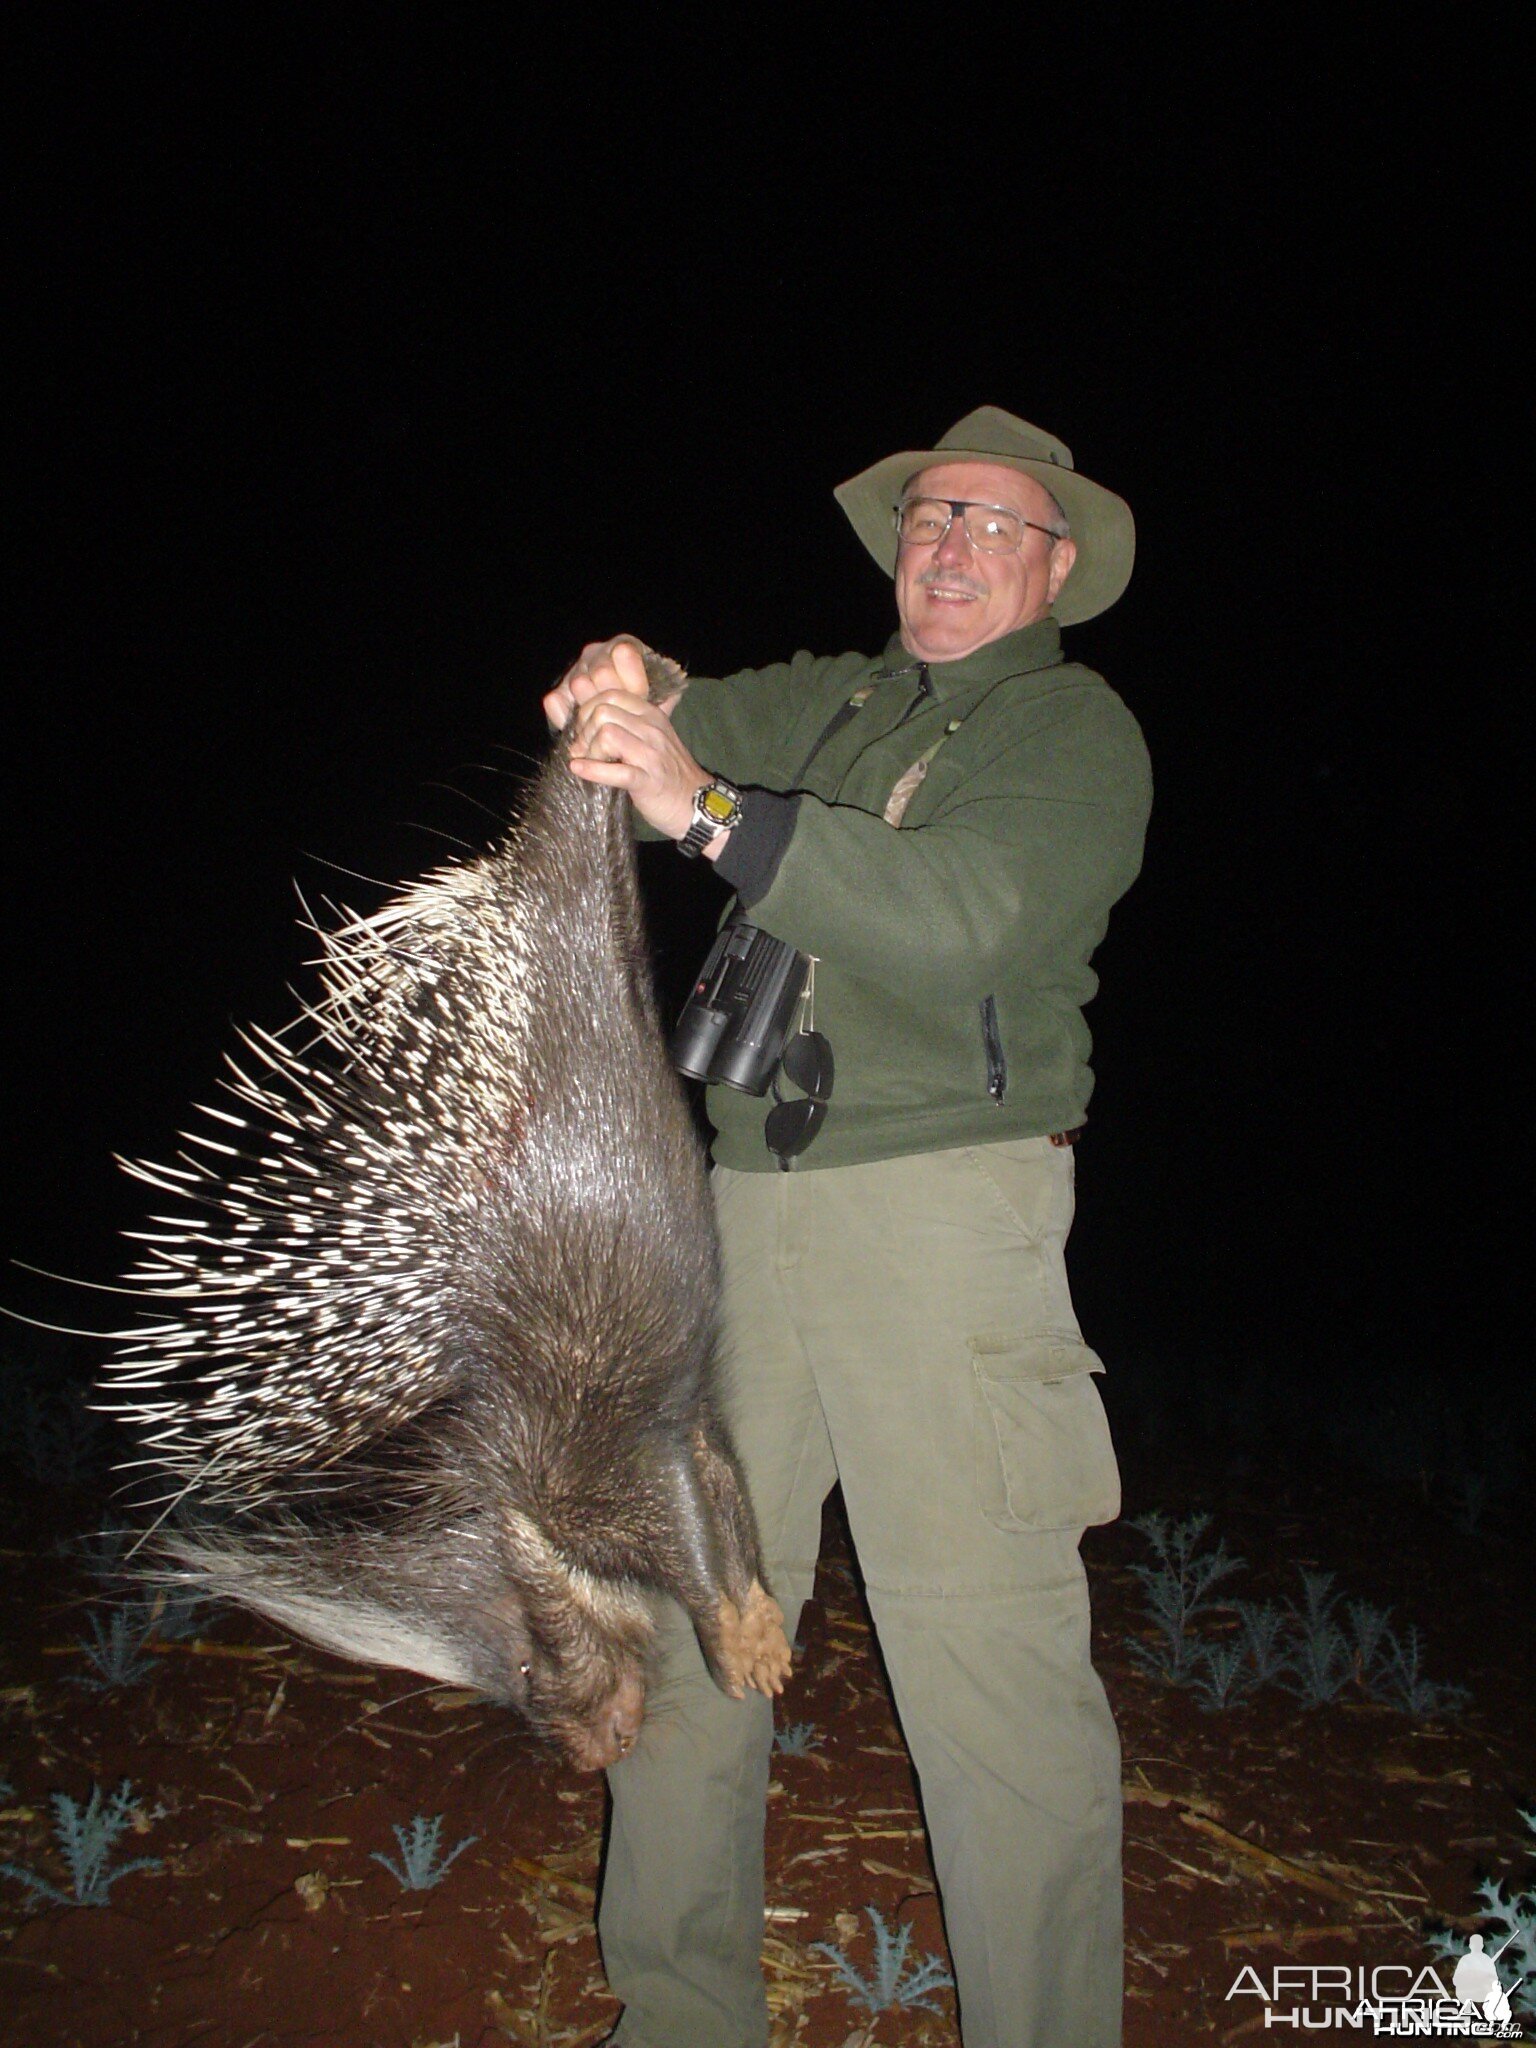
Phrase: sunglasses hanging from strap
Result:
[806,1064]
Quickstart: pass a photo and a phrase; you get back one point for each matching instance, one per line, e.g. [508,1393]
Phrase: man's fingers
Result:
[612,774]
[559,705]
[610,722]
[574,689]
[607,668]
[628,663]
[620,729]
[617,664]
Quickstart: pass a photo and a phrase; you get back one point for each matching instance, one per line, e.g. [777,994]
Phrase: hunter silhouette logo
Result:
[1475,1981]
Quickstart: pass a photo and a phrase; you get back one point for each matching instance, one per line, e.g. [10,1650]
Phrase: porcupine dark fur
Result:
[431,1376]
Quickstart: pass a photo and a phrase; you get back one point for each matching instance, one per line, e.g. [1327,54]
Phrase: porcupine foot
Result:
[753,1648]
[667,678]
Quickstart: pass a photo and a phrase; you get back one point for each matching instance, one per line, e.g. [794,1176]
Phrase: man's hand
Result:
[626,742]
[619,738]
[602,665]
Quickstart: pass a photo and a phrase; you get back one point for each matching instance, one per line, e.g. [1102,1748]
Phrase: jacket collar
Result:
[1014,654]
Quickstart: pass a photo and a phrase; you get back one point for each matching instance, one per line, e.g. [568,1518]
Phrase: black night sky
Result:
[376,358]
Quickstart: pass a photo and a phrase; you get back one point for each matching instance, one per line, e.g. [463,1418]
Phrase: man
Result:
[944,828]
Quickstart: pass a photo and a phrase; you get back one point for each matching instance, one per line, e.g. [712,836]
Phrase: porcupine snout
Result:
[587,1696]
[612,1732]
[590,1707]
[494,1612]
[582,1646]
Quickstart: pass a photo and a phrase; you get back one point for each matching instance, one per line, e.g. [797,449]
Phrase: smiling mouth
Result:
[938,583]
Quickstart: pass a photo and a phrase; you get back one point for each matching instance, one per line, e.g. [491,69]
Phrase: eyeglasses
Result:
[793,1122]
[994,529]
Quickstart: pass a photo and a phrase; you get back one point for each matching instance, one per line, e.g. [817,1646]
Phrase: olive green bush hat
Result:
[1101,523]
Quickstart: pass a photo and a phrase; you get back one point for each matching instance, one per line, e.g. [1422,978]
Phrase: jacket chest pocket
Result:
[1044,1459]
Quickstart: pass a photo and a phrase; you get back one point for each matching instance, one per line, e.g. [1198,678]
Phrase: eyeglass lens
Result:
[992,528]
[807,1064]
[792,1125]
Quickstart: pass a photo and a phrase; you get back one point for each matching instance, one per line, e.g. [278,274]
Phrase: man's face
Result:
[954,597]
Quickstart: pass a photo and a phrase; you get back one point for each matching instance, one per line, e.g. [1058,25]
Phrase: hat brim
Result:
[1101,523]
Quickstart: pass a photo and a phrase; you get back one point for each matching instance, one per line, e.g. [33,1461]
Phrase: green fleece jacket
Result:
[952,949]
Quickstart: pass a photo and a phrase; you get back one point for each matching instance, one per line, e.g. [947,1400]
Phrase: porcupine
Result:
[432,1380]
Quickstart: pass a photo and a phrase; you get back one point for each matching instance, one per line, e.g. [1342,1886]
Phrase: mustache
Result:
[954,579]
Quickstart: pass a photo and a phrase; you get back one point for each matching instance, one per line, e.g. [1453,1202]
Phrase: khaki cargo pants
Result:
[905,1327]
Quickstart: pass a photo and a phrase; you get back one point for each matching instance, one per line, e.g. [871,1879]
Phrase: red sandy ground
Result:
[267,1773]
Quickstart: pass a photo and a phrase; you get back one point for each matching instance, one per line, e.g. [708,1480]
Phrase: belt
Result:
[1068,1137]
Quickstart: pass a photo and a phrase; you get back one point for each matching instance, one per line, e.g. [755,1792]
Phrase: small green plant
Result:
[1178,1586]
[86,1836]
[1224,1676]
[1368,1627]
[418,1869]
[172,1612]
[799,1739]
[1305,1645]
[1321,1663]
[169,1608]
[1262,1626]
[1512,1939]
[890,1986]
[1397,1679]
[115,1652]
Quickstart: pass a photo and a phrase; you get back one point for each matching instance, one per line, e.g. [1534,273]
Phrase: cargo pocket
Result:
[1044,1459]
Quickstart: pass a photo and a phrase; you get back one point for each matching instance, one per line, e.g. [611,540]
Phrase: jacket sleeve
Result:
[1020,864]
[757,726]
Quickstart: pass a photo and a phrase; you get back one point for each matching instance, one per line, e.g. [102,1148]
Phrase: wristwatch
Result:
[717,806]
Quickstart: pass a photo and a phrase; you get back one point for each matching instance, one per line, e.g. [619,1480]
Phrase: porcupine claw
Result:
[753,1647]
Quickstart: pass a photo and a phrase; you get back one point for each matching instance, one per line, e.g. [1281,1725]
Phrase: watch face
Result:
[719,808]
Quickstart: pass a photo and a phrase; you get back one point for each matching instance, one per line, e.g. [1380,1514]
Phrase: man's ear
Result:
[1063,555]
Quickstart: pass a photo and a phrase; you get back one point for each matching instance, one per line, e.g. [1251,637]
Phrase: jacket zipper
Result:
[997,1063]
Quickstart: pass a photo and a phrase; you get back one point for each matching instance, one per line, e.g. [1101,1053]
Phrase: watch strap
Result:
[717,808]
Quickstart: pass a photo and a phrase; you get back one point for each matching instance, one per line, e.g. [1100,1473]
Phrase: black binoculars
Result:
[736,1020]
[735,1028]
